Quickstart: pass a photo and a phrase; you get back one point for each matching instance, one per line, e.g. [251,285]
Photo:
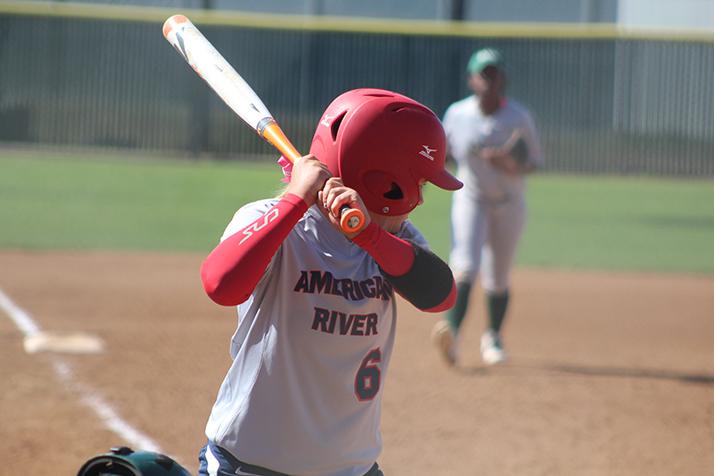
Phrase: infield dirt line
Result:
[88,396]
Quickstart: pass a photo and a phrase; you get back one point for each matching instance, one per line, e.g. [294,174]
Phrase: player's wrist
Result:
[295,200]
[306,193]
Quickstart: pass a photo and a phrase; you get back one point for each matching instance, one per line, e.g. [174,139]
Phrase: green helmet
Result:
[123,461]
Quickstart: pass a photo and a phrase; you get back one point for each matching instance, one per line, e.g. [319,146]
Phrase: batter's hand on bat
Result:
[334,197]
[307,178]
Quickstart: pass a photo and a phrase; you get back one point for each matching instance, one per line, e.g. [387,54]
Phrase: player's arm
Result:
[511,158]
[520,154]
[416,273]
[232,270]
[534,157]
[447,123]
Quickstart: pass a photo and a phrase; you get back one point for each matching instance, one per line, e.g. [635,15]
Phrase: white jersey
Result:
[468,131]
[310,353]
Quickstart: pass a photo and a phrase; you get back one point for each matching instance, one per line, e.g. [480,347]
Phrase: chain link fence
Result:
[602,104]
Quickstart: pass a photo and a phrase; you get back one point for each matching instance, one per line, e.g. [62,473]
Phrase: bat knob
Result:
[172,22]
[351,220]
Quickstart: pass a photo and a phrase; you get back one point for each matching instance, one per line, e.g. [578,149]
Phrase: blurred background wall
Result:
[607,98]
[659,13]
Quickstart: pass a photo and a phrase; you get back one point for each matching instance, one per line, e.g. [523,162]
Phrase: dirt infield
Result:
[611,374]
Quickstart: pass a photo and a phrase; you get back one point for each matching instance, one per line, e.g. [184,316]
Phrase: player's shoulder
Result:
[462,105]
[411,233]
[247,214]
[253,210]
[517,108]
[258,205]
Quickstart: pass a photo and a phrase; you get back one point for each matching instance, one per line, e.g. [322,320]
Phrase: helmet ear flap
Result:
[335,126]
[384,187]
[394,193]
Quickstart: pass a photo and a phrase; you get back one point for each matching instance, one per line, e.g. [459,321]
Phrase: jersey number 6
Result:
[368,376]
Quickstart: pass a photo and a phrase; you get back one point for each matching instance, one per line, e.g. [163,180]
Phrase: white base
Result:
[68,343]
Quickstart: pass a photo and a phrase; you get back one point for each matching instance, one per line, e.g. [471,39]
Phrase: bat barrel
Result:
[210,65]
[172,22]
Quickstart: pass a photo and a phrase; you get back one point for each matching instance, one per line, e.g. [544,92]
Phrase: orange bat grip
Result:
[351,219]
[275,136]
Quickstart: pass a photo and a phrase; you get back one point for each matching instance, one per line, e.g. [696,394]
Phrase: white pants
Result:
[485,236]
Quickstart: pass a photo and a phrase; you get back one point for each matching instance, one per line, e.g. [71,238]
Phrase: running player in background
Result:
[317,310]
[494,143]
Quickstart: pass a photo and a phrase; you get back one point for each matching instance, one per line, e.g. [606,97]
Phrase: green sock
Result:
[456,314]
[497,305]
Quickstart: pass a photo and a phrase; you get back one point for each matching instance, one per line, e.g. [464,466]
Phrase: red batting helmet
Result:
[383,144]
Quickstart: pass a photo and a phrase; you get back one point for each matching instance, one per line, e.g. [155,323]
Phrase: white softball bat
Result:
[210,65]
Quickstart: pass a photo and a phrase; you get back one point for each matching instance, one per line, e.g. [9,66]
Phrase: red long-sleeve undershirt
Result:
[396,257]
[232,270]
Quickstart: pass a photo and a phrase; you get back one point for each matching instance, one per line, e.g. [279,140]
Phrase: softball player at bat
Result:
[494,143]
[317,311]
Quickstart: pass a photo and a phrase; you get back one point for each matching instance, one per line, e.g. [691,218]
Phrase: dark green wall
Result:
[602,105]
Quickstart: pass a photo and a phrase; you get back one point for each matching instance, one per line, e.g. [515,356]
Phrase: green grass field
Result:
[80,202]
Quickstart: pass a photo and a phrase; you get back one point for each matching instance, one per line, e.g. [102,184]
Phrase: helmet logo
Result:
[326,120]
[427,152]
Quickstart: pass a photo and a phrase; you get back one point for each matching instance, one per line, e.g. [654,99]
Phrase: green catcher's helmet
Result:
[123,461]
